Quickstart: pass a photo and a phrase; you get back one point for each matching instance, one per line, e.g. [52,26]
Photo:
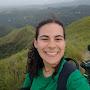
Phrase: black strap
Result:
[68,68]
[73,61]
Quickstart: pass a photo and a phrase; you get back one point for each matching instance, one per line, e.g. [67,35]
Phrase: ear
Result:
[35,43]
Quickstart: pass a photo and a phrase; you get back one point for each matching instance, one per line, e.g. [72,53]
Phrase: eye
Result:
[44,39]
[58,39]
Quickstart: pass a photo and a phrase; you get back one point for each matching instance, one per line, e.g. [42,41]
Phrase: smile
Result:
[51,53]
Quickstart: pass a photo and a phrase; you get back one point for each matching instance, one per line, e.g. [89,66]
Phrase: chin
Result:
[55,64]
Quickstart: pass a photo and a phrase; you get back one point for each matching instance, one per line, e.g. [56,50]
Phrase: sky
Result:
[28,2]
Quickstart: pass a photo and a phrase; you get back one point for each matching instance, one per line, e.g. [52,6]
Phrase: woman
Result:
[46,60]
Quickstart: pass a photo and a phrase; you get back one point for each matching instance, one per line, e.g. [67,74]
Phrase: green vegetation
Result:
[78,38]
[12,71]
[13,54]
[16,40]
[13,68]
[4,30]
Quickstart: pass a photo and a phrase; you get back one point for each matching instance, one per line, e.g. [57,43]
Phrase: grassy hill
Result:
[78,37]
[4,30]
[16,40]
[12,71]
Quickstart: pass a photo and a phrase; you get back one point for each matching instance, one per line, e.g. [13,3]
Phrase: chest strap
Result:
[68,68]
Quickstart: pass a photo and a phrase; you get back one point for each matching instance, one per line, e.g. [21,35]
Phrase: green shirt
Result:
[76,81]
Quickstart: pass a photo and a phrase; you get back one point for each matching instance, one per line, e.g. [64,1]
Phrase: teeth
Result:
[51,53]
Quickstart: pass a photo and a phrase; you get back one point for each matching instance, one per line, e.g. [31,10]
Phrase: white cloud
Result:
[28,2]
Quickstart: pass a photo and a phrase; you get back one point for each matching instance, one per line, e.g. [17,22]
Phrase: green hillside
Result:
[4,30]
[12,71]
[16,41]
[78,37]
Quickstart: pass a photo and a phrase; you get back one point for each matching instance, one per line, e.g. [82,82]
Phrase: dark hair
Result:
[35,62]
[46,22]
[88,47]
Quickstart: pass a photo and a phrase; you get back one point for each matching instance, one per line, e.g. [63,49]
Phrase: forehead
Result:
[51,29]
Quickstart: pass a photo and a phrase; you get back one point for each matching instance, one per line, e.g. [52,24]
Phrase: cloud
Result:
[28,2]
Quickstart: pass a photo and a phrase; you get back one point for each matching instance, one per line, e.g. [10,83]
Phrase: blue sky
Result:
[28,2]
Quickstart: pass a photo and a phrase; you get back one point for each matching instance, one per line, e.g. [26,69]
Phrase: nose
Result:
[51,44]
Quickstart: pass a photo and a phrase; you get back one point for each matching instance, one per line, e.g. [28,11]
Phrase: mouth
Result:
[51,53]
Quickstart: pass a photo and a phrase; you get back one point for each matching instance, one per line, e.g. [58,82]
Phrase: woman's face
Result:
[50,43]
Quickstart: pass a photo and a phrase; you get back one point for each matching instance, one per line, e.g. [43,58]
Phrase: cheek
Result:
[62,45]
[41,45]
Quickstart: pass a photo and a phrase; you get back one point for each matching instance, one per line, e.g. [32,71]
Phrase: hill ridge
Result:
[16,41]
[78,37]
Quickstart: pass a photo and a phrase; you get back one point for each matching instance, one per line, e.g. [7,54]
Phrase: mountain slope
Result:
[12,71]
[4,30]
[16,41]
[78,37]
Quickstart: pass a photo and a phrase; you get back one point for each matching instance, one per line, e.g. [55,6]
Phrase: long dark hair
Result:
[35,62]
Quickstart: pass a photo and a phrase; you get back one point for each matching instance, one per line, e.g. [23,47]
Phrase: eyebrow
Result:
[48,36]
[59,36]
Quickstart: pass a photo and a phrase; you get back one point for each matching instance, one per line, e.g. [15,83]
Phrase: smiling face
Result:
[50,43]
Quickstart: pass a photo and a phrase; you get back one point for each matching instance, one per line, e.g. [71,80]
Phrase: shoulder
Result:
[27,81]
[77,81]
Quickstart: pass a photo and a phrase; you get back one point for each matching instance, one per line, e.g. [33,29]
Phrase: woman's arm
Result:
[27,83]
[77,81]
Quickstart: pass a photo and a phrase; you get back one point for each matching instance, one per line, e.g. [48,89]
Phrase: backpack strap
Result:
[68,68]
[73,61]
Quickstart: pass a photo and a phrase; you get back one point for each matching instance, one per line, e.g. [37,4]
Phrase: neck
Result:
[48,71]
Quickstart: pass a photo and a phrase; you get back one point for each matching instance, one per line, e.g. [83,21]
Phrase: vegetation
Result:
[5,30]
[16,40]
[78,38]
[12,71]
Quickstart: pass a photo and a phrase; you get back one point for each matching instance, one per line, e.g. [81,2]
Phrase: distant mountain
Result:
[82,2]
[5,30]
[19,17]
[78,37]
[70,3]
[16,41]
